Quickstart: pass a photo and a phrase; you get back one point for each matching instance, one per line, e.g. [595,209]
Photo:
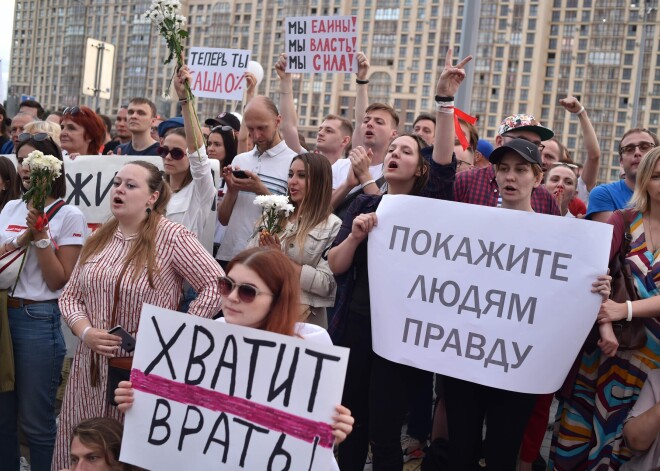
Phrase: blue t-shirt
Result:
[609,197]
[127,149]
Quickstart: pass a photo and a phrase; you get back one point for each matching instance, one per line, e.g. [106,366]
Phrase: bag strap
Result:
[349,199]
[55,208]
[626,215]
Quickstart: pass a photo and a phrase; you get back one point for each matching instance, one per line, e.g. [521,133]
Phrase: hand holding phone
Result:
[239,174]
[127,340]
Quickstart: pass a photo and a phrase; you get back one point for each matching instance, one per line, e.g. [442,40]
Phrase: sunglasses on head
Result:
[223,128]
[26,136]
[175,152]
[246,293]
[71,110]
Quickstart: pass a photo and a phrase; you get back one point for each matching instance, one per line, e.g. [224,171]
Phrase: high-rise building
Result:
[530,53]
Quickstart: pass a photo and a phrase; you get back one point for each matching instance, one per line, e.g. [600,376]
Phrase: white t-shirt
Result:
[272,167]
[582,191]
[340,171]
[67,227]
[192,206]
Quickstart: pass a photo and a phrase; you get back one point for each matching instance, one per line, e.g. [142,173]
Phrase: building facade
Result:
[530,54]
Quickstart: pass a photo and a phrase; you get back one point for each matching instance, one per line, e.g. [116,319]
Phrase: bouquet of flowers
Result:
[166,16]
[44,169]
[273,209]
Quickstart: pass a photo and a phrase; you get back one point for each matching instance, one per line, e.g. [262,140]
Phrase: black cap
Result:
[224,119]
[525,149]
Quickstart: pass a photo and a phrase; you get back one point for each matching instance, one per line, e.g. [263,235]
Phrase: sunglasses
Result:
[630,148]
[175,152]
[246,293]
[223,129]
[565,164]
[26,136]
[72,110]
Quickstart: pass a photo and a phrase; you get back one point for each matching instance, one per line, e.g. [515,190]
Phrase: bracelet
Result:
[183,101]
[446,107]
[439,99]
[629,304]
[580,112]
[361,82]
[82,336]
[368,182]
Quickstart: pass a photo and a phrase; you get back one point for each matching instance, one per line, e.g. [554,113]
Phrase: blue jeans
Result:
[38,355]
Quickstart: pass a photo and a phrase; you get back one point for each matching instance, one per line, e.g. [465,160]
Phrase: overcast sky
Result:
[6,27]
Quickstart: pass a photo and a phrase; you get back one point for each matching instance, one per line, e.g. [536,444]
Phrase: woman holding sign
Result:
[262,291]
[137,257]
[588,432]
[506,413]
[376,388]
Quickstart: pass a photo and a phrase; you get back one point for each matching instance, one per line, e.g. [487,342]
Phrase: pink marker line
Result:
[269,417]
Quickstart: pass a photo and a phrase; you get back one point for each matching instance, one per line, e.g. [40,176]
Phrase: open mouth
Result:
[509,188]
[393,164]
[368,133]
[117,200]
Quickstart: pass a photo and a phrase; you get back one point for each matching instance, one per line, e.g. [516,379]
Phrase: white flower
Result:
[279,202]
[37,161]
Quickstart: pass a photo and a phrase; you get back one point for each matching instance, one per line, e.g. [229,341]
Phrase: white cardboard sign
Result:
[217,72]
[213,396]
[321,44]
[488,295]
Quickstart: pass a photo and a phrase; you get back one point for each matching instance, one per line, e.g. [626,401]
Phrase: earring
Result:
[148,211]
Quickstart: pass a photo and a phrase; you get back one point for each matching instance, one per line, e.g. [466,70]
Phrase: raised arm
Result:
[243,136]
[194,137]
[361,97]
[590,170]
[449,82]
[289,124]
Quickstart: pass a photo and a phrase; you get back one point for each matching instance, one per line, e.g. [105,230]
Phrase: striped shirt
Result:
[90,295]
[272,167]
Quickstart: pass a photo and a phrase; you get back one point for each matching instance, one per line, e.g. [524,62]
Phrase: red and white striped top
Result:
[90,293]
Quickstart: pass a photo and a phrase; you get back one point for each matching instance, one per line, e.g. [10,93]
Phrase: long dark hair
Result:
[9,177]
[229,143]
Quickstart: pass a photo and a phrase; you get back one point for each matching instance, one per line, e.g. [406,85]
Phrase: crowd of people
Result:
[177,241]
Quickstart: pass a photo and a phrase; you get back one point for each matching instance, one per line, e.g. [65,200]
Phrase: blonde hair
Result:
[52,129]
[640,198]
[143,251]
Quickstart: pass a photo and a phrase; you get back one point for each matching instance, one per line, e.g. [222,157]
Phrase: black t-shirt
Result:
[127,149]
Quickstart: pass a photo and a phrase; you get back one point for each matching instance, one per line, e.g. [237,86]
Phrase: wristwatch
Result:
[41,243]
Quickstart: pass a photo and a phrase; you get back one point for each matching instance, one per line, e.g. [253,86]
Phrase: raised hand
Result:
[452,76]
[571,104]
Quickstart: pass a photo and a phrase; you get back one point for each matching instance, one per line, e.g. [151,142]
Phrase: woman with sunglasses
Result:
[221,145]
[308,233]
[188,171]
[377,390]
[38,128]
[34,316]
[106,288]
[262,291]
[83,131]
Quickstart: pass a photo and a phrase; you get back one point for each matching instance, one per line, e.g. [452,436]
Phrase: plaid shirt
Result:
[478,186]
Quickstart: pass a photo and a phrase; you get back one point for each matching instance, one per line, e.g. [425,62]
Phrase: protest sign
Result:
[214,396]
[218,73]
[488,295]
[89,179]
[321,44]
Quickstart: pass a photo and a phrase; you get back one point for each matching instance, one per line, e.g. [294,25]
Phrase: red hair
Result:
[277,273]
[93,126]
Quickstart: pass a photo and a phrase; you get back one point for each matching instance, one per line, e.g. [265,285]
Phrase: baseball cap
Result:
[524,122]
[224,119]
[168,124]
[525,149]
[485,148]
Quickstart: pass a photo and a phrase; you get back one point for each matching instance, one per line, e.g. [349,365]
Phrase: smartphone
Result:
[239,174]
[127,340]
